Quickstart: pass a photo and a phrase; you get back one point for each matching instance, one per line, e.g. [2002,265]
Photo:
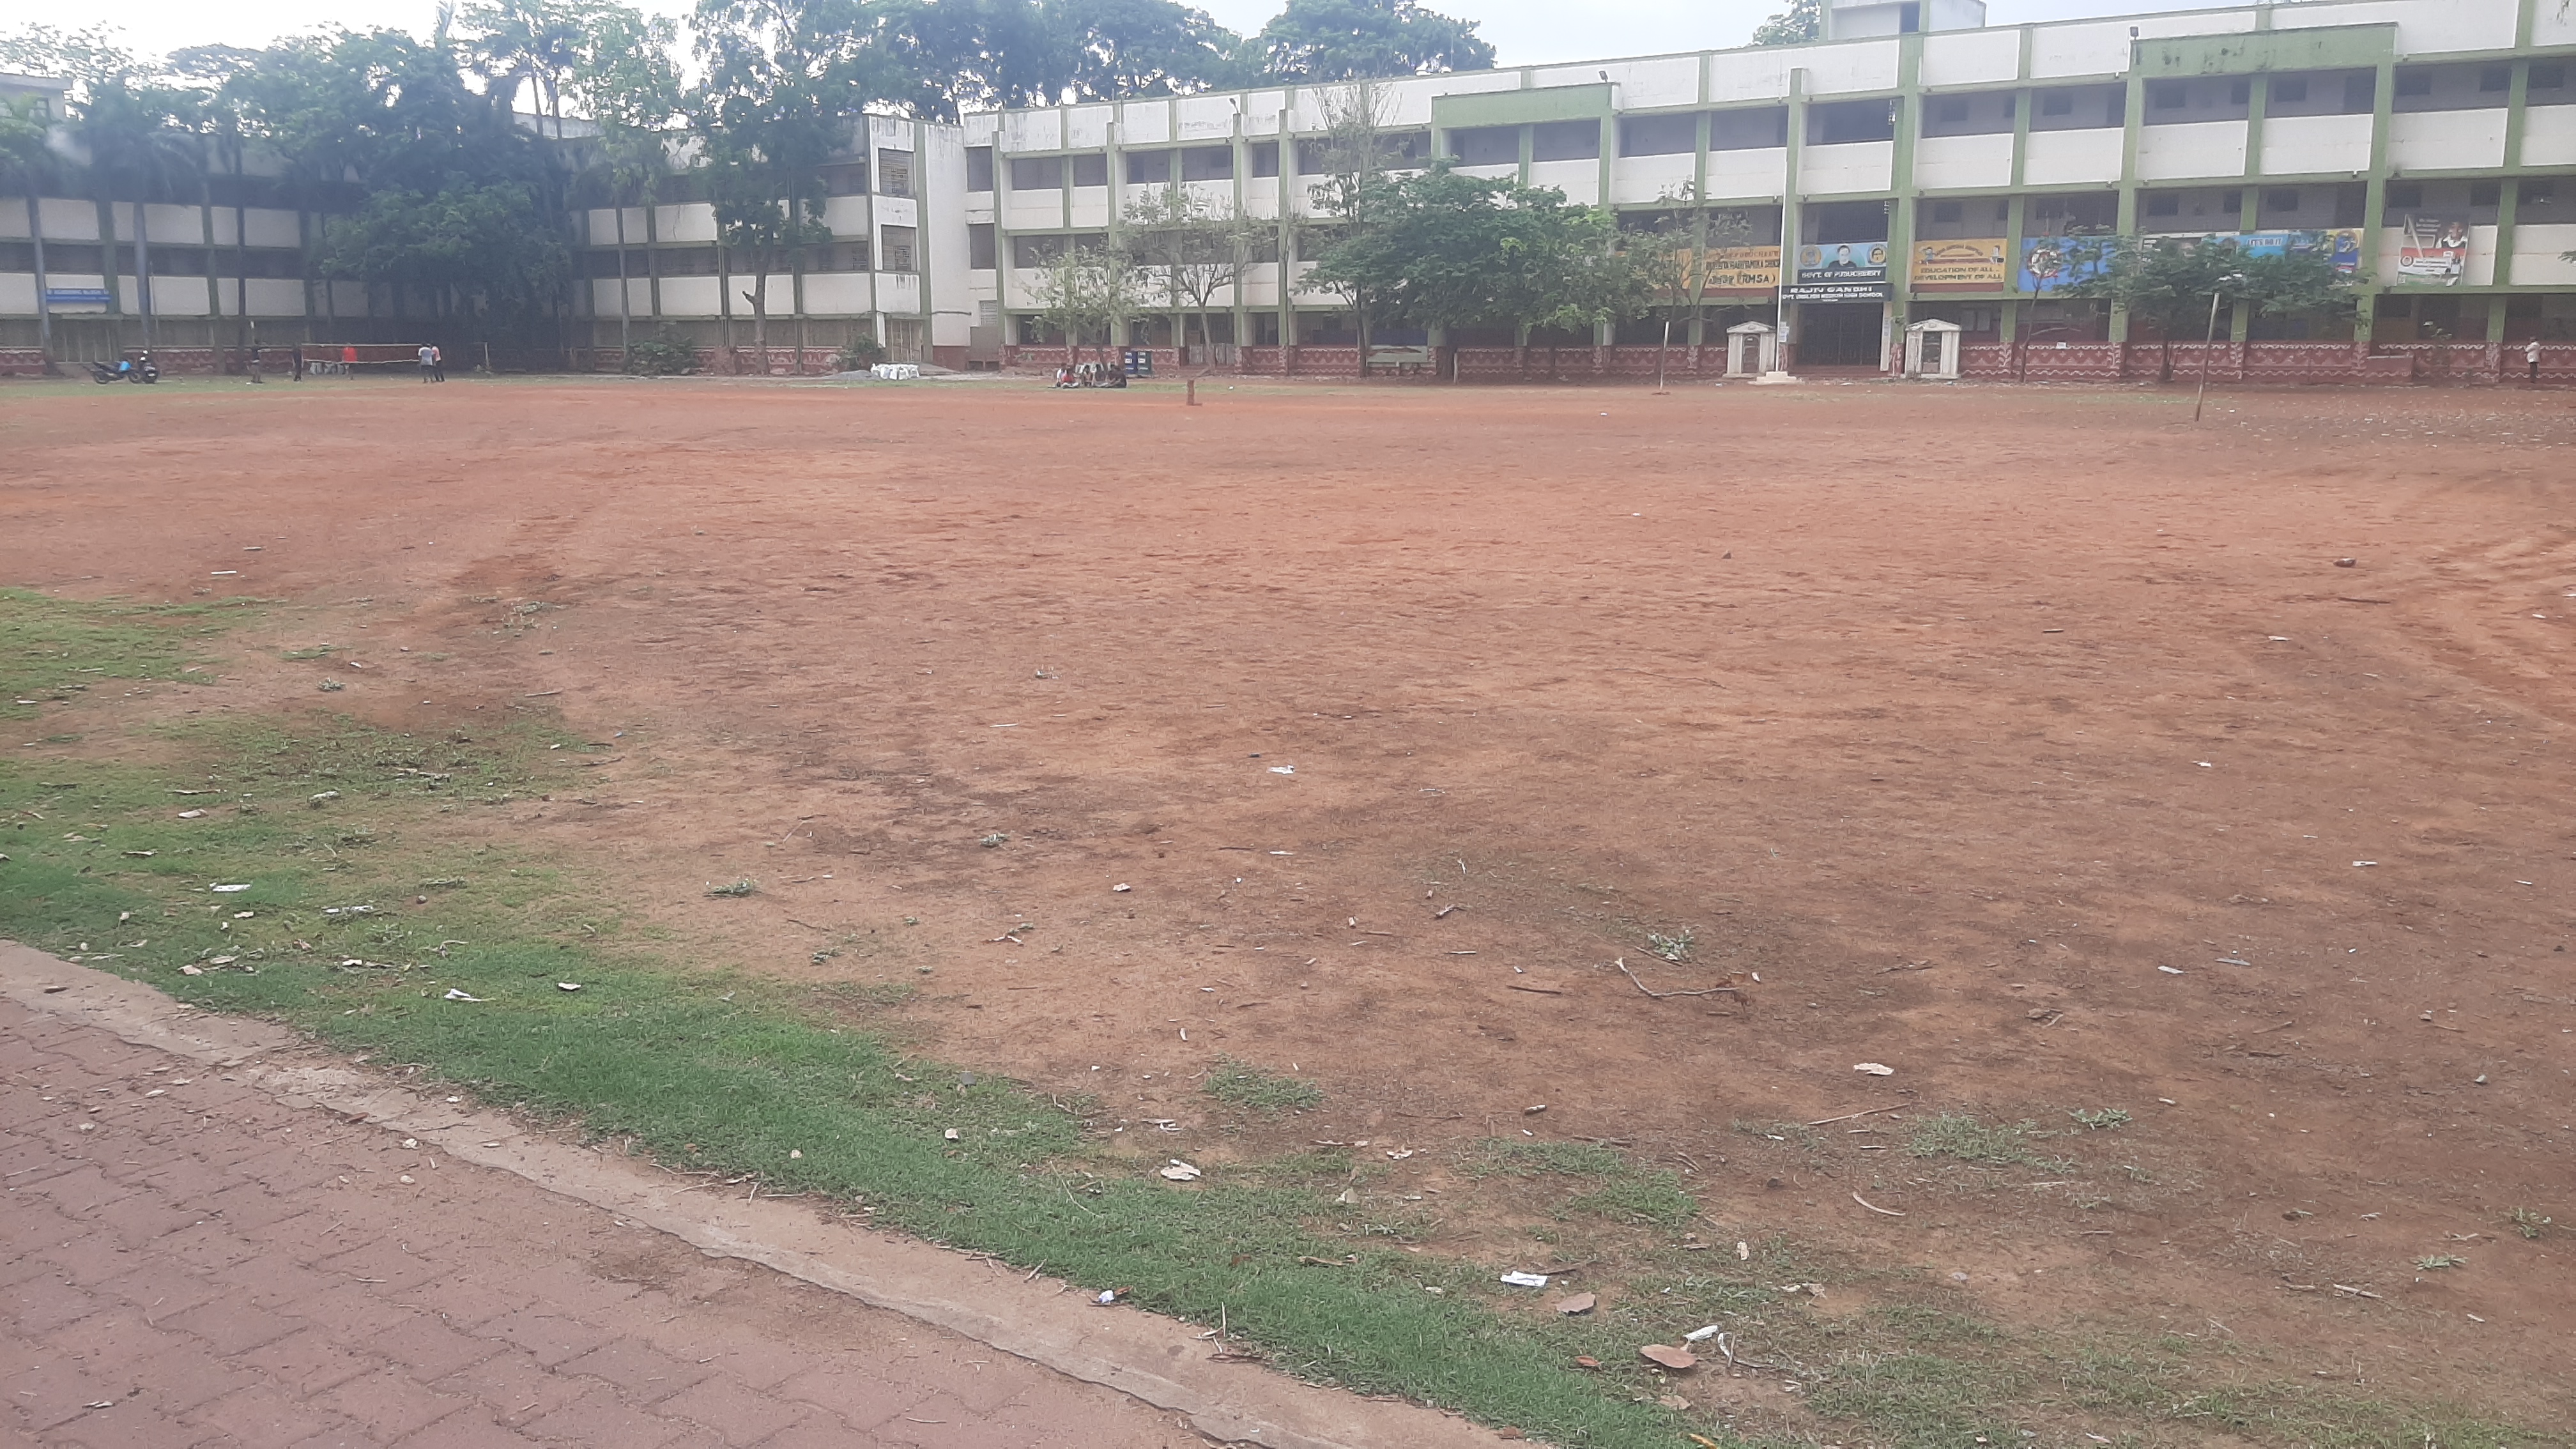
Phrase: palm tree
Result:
[135,146]
[26,164]
[623,76]
[531,43]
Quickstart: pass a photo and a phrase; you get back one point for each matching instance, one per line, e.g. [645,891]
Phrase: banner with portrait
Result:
[2433,249]
[1839,272]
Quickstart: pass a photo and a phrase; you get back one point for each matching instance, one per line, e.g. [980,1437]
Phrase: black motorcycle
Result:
[125,369]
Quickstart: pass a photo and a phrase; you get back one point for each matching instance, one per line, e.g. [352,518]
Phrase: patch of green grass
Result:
[53,649]
[1675,947]
[1959,1135]
[2101,1119]
[2435,1262]
[1621,1191]
[1240,1084]
[2528,1223]
[732,1075]
[737,889]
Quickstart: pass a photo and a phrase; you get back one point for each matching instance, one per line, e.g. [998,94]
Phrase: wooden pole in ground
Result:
[2208,340]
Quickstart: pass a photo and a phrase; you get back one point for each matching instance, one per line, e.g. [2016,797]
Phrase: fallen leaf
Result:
[1179,1171]
[1575,1303]
[1669,1356]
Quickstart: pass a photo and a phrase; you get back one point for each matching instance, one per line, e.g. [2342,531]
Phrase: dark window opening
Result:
[1658,135]
[1748,130]
[1091,169]
[1149,168]
[979,168]
[1909,17]
[1265,158]
[1565,141]
[2281,198]
[1486,146]
[1208,163]
[2415,80]
[2290,88]
[2360,94]
[898,248]
[2057,103]
[1843,123]
[981,252]
[846,180]
[1037,173]
[2164,203]
[2493,78]
[894,172]
[2405,194]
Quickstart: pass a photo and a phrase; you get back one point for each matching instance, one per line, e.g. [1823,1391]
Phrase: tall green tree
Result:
[627,81]
[1803,21]
[1189,251]
[27,167]
[786,80]
[136,142]
[1452,251]
[1362,39]
[525,45]
[1091,291]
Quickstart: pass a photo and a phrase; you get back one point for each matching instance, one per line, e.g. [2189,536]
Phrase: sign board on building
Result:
[75,296]
[1741,269]
[1975,264]
[2054,263]
[1839,272]
[2433,249]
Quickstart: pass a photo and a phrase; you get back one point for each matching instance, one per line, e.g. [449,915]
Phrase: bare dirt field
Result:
[2032,743]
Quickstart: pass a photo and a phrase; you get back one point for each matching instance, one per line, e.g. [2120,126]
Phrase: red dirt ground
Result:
[1956,714]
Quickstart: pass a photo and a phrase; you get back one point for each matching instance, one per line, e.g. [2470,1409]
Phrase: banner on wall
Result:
[2051,264]
[1740,269]
[2340,245]
[1839,272]
[2054,263]
[1975,263]
[2434,249]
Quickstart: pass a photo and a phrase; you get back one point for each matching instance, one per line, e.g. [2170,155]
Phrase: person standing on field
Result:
[437,364]
[2531,357]
[428,361]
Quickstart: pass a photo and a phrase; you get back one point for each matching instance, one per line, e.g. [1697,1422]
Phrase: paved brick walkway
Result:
[189,1262]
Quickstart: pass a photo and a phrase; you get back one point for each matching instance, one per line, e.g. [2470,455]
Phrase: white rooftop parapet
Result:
[1859,19]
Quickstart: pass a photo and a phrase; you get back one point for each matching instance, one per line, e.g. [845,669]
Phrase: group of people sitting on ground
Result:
[1090,374]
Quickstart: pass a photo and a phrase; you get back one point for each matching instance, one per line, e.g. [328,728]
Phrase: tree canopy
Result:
[1447,250]
[1803,21]
[1365,39]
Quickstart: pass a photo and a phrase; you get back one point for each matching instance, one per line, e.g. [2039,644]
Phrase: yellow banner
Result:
[1974,262]
[1741,269]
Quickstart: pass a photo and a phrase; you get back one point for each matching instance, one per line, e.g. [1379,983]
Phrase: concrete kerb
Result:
[1162,1362]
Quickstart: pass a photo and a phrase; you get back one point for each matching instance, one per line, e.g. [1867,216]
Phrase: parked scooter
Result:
[125,369]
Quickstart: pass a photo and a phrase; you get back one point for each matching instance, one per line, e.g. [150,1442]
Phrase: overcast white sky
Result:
[1525,31]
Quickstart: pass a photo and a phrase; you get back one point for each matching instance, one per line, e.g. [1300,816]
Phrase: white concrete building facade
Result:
[1916,166]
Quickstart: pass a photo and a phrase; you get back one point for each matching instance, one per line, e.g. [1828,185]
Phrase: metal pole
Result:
[2208,340]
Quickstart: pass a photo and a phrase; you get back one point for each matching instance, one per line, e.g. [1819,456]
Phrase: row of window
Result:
[2354,92]
[839,256]
[167,261]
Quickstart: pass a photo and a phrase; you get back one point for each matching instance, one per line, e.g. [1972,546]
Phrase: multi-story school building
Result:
[1915,166]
